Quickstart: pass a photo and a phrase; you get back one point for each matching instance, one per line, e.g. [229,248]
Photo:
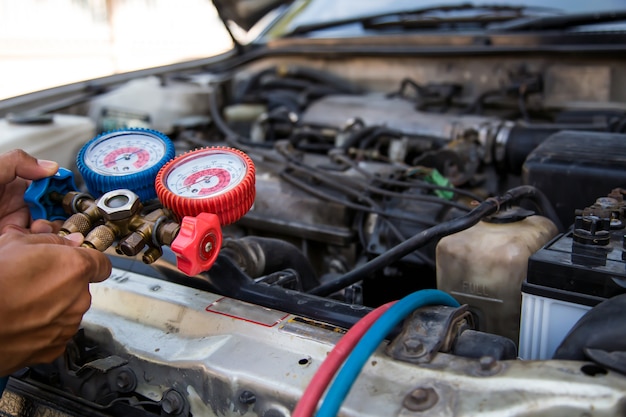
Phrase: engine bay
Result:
[495,180]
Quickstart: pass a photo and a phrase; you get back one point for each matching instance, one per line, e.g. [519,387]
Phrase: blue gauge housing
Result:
[97,161]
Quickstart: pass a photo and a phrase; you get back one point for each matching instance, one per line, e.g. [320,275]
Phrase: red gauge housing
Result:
[218,180]
[205,188]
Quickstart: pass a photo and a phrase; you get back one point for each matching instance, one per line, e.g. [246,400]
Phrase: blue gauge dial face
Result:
[124,154]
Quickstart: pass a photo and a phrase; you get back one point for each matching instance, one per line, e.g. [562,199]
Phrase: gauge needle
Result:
[205,179]
[127,155]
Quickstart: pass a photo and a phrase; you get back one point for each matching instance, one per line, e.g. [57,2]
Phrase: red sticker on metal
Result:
[247,312]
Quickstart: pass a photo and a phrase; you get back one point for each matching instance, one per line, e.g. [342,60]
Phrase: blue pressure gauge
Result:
[126,158]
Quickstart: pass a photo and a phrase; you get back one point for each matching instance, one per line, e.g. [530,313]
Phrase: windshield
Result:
[341,18]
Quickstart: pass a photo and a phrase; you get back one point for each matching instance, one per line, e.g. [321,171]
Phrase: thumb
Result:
[100,265]
[18,163]
[74,239]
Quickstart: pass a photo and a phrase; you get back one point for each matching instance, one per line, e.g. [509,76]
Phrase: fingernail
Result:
[75,237]
[47,164]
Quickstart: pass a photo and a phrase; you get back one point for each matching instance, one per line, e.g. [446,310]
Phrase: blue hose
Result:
[340,387]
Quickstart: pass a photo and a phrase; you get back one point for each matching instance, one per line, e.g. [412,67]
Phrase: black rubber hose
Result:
[414,183]
[545,206]
[259,256]
[233,138]
[287,84]
[399,251]
[358,188]
[323,77]
[253,82]
[367,142]
[315,191]
[356,137]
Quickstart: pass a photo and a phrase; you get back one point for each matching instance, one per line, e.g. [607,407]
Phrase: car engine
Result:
[495,180]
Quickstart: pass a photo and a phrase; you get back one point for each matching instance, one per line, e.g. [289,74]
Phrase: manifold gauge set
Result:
[129,171]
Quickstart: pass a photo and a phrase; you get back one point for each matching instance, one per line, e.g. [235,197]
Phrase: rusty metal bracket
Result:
[429,330]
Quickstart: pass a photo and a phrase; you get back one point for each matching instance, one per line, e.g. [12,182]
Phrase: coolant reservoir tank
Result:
[484,266]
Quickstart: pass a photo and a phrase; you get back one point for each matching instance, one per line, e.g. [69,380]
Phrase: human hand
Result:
[44,292]
[17,169]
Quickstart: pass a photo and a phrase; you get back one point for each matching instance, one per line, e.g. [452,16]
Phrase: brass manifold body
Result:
[118,216]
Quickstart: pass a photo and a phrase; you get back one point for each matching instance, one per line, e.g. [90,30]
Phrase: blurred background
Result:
[47,43]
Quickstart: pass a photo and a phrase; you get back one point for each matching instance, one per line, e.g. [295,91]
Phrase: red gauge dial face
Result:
[207,182]
[206,175]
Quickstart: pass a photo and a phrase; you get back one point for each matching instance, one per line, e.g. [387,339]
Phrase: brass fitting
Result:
[100,238]
[119,205]
[151,255]
[86,213]
[118,215]
[77,223]
[132,244]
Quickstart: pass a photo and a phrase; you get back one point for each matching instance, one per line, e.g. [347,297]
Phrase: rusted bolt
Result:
[413,346]
[421,399]
[125,381]
[172,403]
[419,396]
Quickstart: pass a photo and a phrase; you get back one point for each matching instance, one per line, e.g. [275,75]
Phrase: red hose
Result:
[327,370]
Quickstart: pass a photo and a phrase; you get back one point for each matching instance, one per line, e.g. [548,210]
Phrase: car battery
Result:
[571,168]
[571,274]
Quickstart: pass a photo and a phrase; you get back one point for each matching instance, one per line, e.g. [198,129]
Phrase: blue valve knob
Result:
[126,158]
[43,196]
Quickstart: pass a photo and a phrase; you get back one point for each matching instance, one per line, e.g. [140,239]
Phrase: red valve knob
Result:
[198,243]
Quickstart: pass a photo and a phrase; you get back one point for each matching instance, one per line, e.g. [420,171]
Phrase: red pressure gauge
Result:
[205,188]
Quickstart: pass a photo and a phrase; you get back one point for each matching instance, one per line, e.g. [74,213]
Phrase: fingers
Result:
[37,226]
[18,163]
[45,292]
[73,239]
[13,228]
[100,264]
[45,226]
[41,238]
[96,265]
